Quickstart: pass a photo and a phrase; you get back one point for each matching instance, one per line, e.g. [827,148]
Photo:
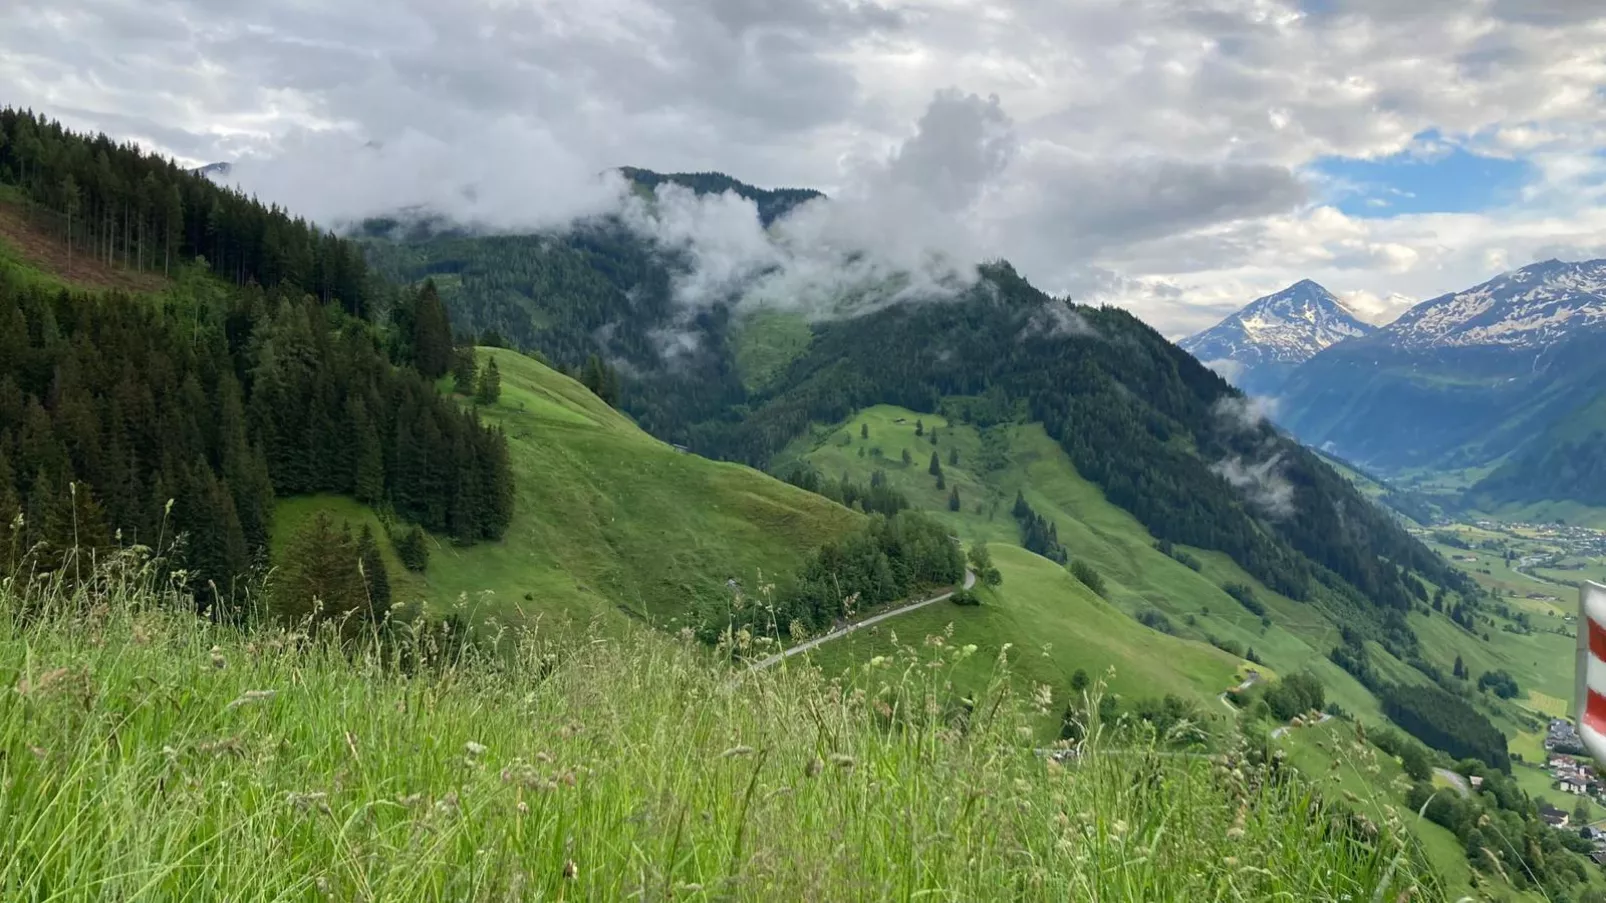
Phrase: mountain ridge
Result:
[1260,344]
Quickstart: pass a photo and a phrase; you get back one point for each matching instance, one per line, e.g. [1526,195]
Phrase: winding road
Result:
[761,664]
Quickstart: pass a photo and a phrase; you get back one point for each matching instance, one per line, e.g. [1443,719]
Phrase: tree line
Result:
[110,407]
[889,559]
[120,205]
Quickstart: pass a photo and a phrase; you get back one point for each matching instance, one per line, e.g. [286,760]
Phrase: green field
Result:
[152,755]
[608,520]
[996,464]
[1054,626]
[766,342]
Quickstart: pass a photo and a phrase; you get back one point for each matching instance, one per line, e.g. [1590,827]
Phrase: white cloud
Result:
[1143,152]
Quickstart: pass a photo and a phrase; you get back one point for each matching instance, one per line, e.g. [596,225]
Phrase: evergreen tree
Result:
[320,577]
[953,499]
[432,333]
[490,387]
[864,431]
[920,427]
[373,571]
[907,458]
[933,435]
[935,467]
[953,457]
[464,368]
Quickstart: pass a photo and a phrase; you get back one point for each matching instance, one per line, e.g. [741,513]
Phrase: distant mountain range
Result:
[1259,346]
[1510,374]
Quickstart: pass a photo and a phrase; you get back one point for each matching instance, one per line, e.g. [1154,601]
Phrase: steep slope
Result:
[772,203]
[1463,379]
[1260,345]
[607,517]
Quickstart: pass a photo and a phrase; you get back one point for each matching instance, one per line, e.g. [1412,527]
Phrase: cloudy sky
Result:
[1177,156]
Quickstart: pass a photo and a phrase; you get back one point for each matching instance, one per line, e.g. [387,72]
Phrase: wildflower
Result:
[523,807]
[250,696]
[474,749]
[218,661]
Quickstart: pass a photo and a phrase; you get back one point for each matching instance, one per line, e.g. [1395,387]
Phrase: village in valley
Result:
[1572,772]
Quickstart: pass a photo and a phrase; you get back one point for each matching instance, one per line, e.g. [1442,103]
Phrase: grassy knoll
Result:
[149,755]
[607,517]
[995,464]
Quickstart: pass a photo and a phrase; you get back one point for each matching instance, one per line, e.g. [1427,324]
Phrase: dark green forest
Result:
[118,204]
[134,420]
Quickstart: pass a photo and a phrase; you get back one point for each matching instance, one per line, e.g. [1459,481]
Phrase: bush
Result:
[1501,682]
[1156,620]
[965,597]
[1089,577]
[1246,597]
[412,547]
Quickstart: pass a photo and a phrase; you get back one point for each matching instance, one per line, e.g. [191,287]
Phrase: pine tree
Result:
[953,499]
[373,571]
[935,467]
[464,368]
[432,333]
[490,387]
[864,431]
[933,435]
[70,202]
[942,482]
[320,576]
[920,427]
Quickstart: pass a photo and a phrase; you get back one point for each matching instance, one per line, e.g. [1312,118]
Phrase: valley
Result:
[458,480]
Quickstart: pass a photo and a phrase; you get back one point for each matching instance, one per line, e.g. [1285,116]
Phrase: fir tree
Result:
[373,571]
[490,387]
[464,368]
[920,427]
[432,333]
[953,499]
[935,467]
[864,431]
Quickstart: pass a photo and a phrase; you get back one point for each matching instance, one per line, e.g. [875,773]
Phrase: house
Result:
[1588,832]
[1552,816]
[1575,786]
[1476,781]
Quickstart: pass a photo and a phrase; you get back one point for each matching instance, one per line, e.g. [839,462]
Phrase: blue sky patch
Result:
[1445,181]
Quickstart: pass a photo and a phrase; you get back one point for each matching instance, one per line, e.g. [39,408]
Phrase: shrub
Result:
[1089,577]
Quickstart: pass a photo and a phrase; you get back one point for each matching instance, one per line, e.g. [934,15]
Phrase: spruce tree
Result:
[464,368]
[373,571]
[432,333]
[953,499]
[935,467]
[490,387]
[864,431]
[920,427]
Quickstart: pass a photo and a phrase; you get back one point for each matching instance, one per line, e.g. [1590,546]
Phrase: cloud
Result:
[1244,413]
[1226,368]
[1261,483]
[1157,154]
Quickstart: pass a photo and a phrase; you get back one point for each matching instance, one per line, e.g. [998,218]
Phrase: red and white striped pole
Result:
[1589,696]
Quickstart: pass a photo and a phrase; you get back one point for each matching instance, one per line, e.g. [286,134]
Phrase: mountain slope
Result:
[607,517]
[1257,347]
[1461,380]
[772,203]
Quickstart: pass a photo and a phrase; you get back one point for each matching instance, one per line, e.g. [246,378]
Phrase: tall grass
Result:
[147,754]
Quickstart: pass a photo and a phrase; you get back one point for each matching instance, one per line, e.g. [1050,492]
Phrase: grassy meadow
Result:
[609,522]
[992,466]
[149,755]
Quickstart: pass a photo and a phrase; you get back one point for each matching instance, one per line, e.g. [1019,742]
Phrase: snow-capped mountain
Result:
[1258,346]
[1465,379]
[1533,307]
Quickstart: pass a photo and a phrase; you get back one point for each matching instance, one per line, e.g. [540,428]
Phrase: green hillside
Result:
[993,465]
[607,518]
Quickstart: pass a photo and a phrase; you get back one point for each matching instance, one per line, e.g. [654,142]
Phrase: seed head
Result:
[814,767]
[570,870]
[474,749]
